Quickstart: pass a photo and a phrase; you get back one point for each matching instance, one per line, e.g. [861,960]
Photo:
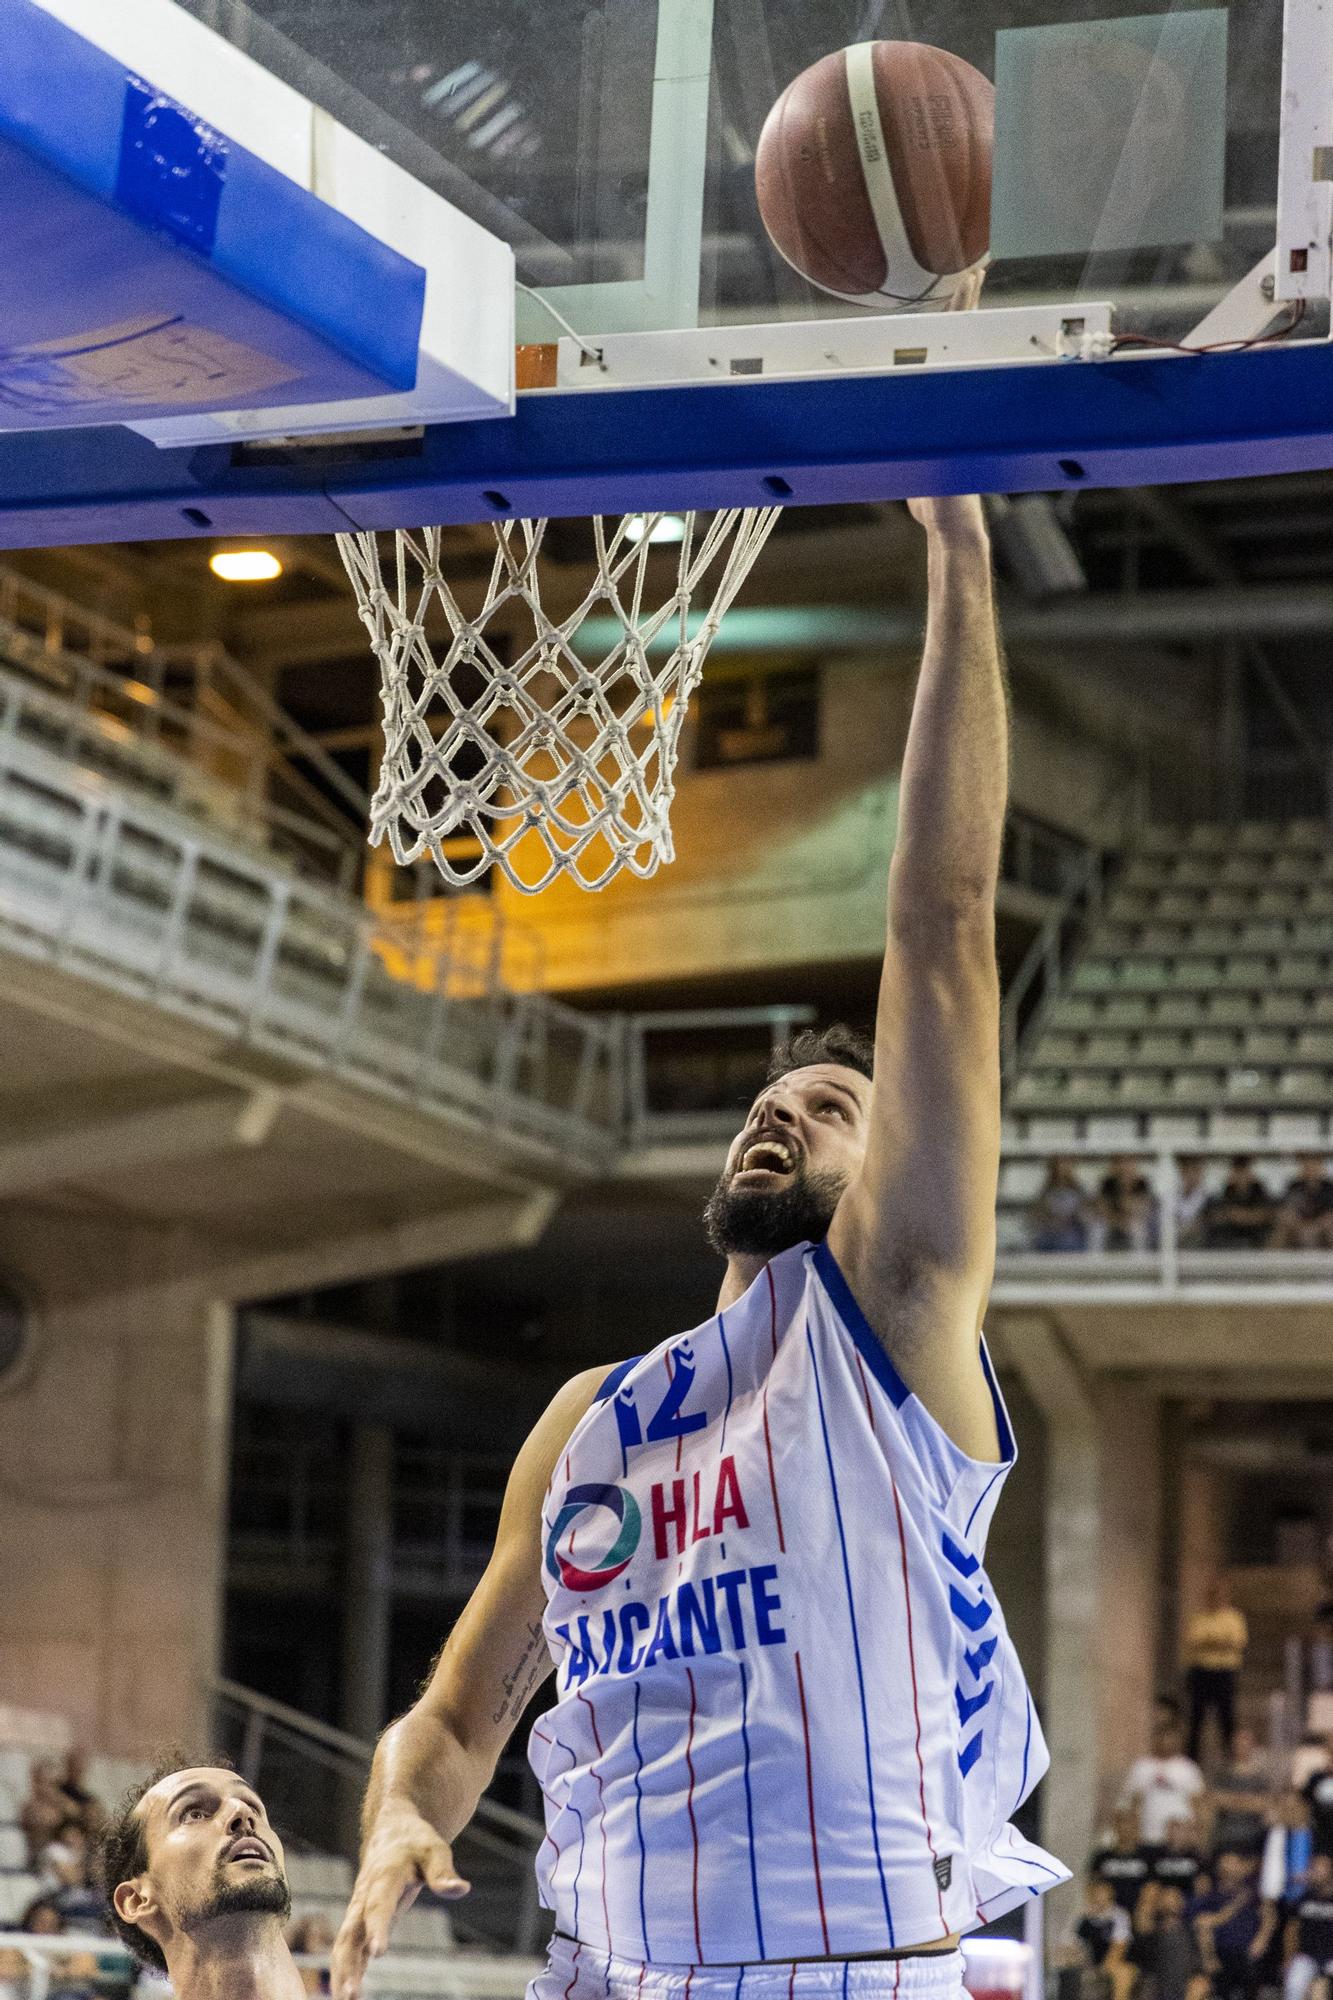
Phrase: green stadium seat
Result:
[1315,1045]
[1215,1046]
[1230,1010]
[1125,1010]
[1144,975]
[1307,1086]
[1072,1011]
[1163,1048]
[1259,935]
[1094,975]
[1180,1010]
[1266,1045]
[1175,1128]
[1208,836]
[1259,836]
[1252,973]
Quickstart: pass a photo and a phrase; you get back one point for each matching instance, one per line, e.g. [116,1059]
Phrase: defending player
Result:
[791,1727]
[198,1886]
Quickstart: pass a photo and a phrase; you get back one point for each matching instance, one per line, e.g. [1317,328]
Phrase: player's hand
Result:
[403,1855]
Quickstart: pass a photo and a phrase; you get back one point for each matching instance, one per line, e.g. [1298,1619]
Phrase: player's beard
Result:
[761,1222]
[264,1895]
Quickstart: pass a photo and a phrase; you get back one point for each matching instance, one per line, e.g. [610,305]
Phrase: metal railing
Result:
[115,886]
[1039,977]
[312,1778]
[196,720]
[1159,1259]
[690,1072]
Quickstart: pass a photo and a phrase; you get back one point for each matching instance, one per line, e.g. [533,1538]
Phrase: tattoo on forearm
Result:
[523,1677]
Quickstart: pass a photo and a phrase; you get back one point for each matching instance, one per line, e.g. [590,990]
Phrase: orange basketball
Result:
[873,170]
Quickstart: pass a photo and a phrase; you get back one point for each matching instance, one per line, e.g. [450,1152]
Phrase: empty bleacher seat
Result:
[1125,1010]
[1070,1011]
[1021,1181]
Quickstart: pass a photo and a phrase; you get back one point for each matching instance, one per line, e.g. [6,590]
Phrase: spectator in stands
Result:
[1319,1798]
[1240,1217]
[1215,1642]
[1124,1861]
[1061,1212]
[73,1975]
[1178,1865]
[1191,1202]
[1288,1848]
[1099,1937]
[198,1886]
[1126,1205]
[80,1803]
[1234,1929]
[1165,1950]
[1164,1786]
[1310,1755]
[44,1809]
[1305,1219]
[1308,1943]
[1242,1795]
[68,1865]
[312,1937]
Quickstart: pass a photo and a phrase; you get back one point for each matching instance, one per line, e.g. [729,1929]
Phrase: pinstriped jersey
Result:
[790,1721]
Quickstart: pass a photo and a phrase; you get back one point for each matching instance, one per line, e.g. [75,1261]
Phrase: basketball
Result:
[873,170]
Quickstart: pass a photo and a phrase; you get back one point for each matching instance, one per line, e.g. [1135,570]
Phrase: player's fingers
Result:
[395,1892]
[967,293]
[347,1963]
[442,1876]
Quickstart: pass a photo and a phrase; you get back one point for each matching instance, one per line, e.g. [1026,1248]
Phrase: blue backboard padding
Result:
[990,430]
[116,138]
[114,322]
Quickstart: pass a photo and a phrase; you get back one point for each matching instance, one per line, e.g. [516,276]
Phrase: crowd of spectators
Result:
[1119,1209]
[1213,1885]
[61,1821]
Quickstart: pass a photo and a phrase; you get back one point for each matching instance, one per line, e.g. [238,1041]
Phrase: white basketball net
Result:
[505,731]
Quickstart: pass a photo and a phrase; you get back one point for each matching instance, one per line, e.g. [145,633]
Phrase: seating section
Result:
[1200,1010]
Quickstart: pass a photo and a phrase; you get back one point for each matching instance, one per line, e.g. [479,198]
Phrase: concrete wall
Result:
[113,1456]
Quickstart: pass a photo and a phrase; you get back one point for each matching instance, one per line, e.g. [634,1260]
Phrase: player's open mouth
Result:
[766,1158]
[248,1850]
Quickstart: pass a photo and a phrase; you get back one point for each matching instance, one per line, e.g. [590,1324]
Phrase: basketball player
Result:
[790,1725]
[198,1886]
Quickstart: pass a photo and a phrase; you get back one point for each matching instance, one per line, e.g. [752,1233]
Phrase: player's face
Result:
[211,1853]
[787,1169]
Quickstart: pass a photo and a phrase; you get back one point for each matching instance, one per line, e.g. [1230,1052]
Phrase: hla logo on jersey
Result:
[624,1507]
[674,1521]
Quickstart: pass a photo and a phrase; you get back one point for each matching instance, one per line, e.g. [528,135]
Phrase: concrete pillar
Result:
[1130,1426]
[113,1475]
[1099,1554]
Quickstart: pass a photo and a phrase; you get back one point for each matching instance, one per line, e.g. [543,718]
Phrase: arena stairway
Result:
[1196,1011]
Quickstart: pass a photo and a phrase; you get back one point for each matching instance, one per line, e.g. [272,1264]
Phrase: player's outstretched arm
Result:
[915,1233]
[434,1763]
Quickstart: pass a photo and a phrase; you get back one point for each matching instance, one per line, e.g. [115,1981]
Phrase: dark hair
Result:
[850,1048]
[124,1850]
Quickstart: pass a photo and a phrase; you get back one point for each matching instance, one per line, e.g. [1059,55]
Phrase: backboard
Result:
[1163,181]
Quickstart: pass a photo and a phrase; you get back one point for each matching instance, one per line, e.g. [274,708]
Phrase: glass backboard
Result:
[612,143]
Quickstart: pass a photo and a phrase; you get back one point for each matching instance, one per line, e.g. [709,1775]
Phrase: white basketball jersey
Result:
[790,1720]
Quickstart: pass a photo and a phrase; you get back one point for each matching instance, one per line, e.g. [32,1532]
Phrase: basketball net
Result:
[507,742]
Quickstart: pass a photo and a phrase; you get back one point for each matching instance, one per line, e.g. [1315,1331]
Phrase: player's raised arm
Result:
[434,1763]
[915,1232]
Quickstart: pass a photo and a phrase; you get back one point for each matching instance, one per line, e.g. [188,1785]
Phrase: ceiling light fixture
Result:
[245,565]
